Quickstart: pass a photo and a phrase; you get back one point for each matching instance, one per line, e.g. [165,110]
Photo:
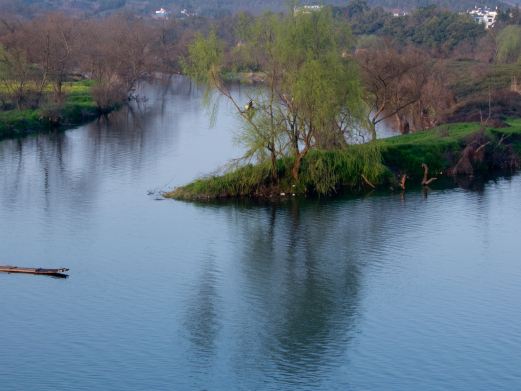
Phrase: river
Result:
[385,292]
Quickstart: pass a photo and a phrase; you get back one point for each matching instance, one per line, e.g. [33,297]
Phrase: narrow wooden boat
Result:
[39,271]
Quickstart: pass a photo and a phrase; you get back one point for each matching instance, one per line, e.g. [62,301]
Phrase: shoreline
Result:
[78,109]
[450,151]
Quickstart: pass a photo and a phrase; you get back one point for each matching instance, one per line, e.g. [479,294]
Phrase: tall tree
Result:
[402,85]
[53,49]
[312,96]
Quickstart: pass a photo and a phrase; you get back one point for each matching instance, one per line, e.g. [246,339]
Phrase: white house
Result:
[484,16]
[399,12]
[187,14]
[161,13]
[306,9]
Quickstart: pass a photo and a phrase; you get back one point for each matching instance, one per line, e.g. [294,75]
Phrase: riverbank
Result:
[78,108]
[449,150]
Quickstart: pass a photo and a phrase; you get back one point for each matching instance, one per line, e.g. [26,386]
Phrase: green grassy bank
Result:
[449,150]
[78,108]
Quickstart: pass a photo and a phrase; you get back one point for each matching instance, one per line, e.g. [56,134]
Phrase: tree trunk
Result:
[59,92]
[295,171]
[274,175]
[372,130]
[403,124]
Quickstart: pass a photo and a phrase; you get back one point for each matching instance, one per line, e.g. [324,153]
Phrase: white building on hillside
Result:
[399,12]
[484,16]
[306,9]
[161,13]
[187,14]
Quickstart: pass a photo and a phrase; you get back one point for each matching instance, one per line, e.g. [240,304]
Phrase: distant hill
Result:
[205,7]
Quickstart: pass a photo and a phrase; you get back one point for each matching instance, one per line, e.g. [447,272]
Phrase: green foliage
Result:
[324,173]
[244,181]
[3,65]
[509,45]
[324,84]
[433,28]
[459,5]
[205,56]
[363,19]
[474,79]
[16,122]
[77,108]
[510,15]
[327,172]
[216,8]
[312,86]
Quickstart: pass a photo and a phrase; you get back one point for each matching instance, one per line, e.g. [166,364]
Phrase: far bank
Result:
[78,107]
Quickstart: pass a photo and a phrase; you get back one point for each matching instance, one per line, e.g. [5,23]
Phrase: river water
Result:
[385,292]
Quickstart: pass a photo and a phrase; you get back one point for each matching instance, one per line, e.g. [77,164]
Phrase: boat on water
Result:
[61,273]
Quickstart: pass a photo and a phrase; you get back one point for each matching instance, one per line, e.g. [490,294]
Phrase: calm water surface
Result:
[376,293]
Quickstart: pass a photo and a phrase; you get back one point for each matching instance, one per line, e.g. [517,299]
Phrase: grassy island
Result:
[449,150]
[77,108]
[324,87]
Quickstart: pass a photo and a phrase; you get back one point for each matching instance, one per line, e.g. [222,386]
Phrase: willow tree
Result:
[312,94]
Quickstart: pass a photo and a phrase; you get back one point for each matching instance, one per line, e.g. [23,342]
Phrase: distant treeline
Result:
[215,8]
[39,55]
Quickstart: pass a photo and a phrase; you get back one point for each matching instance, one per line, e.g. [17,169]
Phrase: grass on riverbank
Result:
[350,169]
[79,107]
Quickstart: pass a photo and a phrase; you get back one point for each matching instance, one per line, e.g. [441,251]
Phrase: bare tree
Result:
[53,49]
[15,77]
[117,57]
[393,82]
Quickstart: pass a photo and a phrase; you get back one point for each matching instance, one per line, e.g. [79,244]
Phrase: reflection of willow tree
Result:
[317,309]
[300,269]
[201,318]
[306,292]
